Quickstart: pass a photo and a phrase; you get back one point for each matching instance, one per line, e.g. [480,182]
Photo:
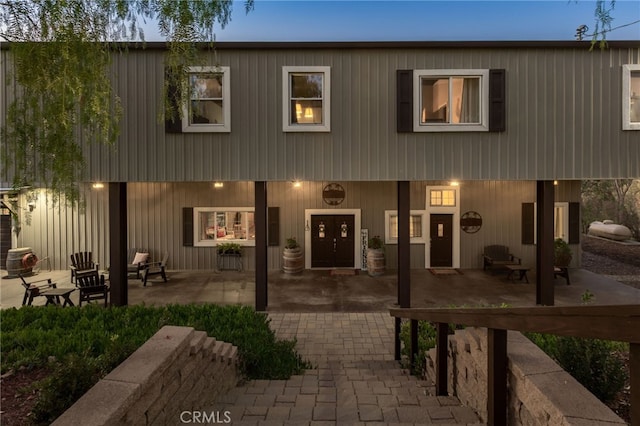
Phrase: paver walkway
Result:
[356,380]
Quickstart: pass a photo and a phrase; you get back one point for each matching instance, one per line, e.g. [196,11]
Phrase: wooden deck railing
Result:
[611,322]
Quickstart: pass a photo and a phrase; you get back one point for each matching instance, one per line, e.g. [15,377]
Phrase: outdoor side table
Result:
[520,269]
[53,296]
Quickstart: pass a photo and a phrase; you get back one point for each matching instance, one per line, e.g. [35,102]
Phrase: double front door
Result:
[332,241]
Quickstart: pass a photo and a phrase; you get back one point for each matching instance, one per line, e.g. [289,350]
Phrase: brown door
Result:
[441,240]
[332,241]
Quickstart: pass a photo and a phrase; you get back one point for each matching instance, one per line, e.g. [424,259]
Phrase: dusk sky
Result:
[299,20]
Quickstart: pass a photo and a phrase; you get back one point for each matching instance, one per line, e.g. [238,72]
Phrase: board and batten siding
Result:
[154,218]
[563,119]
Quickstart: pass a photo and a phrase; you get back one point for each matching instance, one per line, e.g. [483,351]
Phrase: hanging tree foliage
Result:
[59,75]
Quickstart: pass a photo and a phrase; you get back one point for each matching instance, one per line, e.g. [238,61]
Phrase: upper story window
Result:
[451,100]
[631,97]
[306,99]
[208,107]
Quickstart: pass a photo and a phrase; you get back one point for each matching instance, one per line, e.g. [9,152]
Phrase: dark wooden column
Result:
[260,218]
[497,377]
[634,374]
[118,243]
[544,243]
[404,247]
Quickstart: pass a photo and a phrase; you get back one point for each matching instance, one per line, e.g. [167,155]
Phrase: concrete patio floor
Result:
[320,291]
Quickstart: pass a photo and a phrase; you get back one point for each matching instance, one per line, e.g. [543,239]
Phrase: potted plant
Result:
[562,253]
[292,257]
[375,256]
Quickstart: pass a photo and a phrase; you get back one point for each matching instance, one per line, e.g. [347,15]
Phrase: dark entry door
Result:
[441,240]
[332,241]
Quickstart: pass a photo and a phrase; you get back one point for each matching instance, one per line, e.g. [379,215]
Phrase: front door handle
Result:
[335,241]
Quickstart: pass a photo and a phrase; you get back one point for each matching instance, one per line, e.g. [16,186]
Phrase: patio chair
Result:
[498,256]
[139,259]
[34,289]
[155,268]
[82,263]
[92,286]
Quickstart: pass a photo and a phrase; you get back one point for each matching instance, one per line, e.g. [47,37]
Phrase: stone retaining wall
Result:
[178,370]
[540,392]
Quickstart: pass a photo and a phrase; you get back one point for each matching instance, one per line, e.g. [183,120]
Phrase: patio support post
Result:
[261,245]
[118,243]
[404,277]
[442,354]
[497,377]
[544,247]
[404,262]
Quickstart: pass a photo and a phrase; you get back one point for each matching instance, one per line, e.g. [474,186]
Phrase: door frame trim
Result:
[455,212]
[357,254]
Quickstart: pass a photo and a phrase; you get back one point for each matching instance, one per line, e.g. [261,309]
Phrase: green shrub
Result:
[426,341]
[82,345]
[592,362]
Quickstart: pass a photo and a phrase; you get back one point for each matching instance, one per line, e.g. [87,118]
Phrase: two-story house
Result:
[465,144]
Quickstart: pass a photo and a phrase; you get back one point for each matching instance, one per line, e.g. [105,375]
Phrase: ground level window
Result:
[223,224]
[416,221]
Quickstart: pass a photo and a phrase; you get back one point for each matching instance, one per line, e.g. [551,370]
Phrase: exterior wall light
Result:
[218,185]
[98,185]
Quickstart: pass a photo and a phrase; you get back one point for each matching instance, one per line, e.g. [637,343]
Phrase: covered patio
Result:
[321,291]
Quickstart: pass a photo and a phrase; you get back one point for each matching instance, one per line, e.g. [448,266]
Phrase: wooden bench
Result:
[497,256]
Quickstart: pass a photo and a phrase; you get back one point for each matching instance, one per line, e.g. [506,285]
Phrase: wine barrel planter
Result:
[293,260]
[15,264]
[375,262]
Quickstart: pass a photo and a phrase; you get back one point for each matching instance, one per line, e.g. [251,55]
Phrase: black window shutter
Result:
[497,101]
[574,223]
[528,223]
[173,122]
[273,230]
[187,226]
[404,107]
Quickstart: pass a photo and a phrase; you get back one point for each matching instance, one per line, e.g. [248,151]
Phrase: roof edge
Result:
[239,45]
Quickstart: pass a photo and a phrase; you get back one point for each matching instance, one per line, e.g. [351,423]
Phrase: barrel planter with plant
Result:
[292,257]
[375,257]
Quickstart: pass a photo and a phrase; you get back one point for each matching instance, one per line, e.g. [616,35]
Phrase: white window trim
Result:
[197,242]
[226,103]
[564,206]
[626,97]
[413,240]
[484,101]
[326,100]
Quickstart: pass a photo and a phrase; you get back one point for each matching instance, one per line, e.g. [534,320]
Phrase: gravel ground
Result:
[620,261]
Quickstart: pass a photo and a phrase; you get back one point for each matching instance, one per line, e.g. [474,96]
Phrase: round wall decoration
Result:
[471,222]
[333,194]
